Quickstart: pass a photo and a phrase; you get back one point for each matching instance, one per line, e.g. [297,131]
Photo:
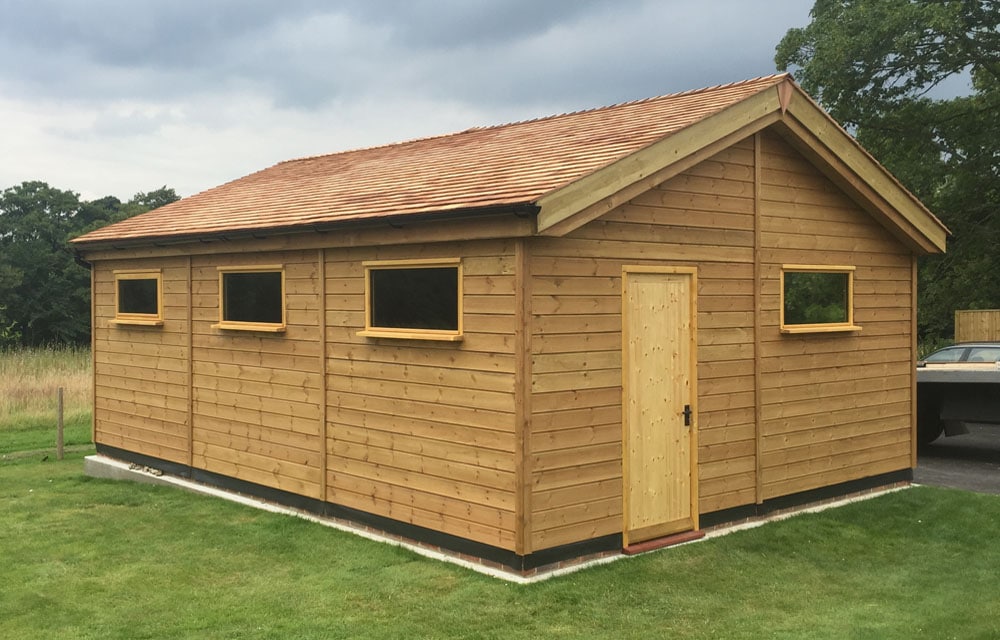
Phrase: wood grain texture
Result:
[432,424]
[257,396]
[738,217]
[704,218]
[512,437]
[833,407]
[141,390]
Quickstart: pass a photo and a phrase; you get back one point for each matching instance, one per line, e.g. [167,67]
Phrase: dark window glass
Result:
[252,297]
[816,298]
[417,298]
[138,296]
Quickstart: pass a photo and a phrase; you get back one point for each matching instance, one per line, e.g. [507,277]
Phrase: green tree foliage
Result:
[44,293]
[885,69]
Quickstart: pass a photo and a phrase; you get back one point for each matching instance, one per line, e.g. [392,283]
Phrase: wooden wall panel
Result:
[427,432]
[835,407]
[832,407]
[140,372]
[424,431]
[257,395]
[704,217]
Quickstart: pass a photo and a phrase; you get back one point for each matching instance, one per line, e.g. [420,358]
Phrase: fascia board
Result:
[559,210]
[860,173]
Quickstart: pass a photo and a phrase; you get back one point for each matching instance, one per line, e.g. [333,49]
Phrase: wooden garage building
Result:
[532,341]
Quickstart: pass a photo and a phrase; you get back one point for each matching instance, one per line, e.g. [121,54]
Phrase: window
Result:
[418,299]
[951,354]
[984,354]
[965,353]
[252,298]
[138,298]
[817,299]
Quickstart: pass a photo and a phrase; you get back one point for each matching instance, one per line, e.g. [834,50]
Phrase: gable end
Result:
[794,116]
[577,203]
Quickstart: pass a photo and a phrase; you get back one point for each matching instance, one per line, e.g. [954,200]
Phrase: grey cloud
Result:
[614,52]
[450,24]
[129,33]
[102,94]
[84,50]
[305,54]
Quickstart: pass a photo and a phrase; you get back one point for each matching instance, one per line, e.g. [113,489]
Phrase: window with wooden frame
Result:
[817,299]
[252,298]
[138,297]
[413,299]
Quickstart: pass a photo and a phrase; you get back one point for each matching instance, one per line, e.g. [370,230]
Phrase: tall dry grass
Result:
[29,379]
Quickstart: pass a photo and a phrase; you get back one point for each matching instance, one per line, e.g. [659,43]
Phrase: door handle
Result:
[687,415]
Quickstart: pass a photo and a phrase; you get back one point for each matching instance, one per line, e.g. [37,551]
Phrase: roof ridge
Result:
[513,123]
[728,85]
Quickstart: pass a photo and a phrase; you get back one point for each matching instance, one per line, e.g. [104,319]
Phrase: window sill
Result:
[138,322]
[446,336]
[818,328]
[249,326]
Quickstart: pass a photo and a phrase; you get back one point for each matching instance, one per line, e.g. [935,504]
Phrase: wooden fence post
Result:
[59,425]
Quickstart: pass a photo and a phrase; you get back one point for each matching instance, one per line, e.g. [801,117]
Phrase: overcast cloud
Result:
[113,97]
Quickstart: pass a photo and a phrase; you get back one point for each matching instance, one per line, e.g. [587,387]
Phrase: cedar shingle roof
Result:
[510,164]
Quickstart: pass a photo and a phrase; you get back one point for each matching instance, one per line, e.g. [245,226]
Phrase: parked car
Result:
[956,386]
[973,353]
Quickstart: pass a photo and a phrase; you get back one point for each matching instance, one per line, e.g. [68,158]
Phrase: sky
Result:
[117,97]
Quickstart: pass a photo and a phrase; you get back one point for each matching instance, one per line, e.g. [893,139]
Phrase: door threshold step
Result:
[666,541]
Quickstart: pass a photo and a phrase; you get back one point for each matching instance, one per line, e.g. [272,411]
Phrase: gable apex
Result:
[787,109]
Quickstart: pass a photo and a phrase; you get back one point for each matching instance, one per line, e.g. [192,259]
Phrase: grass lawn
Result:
[38,433]
[89,558]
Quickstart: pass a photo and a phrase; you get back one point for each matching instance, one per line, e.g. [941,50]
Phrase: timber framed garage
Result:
[533,341]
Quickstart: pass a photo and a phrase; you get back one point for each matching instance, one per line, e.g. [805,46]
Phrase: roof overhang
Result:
[508,221]
[793,115]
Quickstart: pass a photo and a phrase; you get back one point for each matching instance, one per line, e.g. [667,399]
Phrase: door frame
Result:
[692,273]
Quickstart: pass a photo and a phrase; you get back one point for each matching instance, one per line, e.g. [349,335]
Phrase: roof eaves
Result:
[520,209]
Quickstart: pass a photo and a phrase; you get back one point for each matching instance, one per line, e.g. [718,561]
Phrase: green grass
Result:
[38,433]
[88,558]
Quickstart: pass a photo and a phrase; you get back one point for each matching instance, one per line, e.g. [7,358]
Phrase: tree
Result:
[45,294]
[41,290]
[888,71]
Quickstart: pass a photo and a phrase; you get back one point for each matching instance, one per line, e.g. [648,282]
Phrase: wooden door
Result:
[659,395]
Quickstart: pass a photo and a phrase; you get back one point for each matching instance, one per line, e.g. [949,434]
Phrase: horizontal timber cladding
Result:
[423,431]
[704,217]
[835,407]
[429,432]
[258,395]
[140,371]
